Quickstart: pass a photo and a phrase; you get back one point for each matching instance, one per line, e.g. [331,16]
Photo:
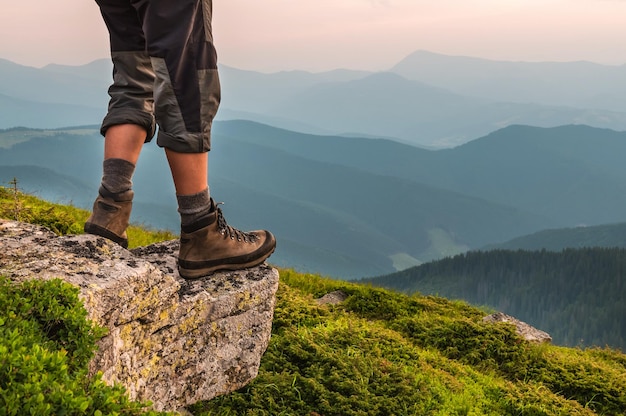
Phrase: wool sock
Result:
[117,175]
[193,207]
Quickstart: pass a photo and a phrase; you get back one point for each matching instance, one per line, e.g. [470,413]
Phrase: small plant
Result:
[17,204]
[45,345]
[64,219]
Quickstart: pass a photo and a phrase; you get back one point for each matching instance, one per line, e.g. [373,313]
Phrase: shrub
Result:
[45,345]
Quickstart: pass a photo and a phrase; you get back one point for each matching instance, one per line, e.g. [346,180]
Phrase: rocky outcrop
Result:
[170,341]
[333,298]
[528,332]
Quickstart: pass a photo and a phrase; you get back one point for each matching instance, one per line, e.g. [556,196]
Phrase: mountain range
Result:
[605,235]
[352,207]
[578,84]
[426,99]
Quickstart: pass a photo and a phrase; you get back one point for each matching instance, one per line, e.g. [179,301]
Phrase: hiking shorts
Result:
[164,70]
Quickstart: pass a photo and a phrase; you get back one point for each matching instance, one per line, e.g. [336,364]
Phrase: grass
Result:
[383,353]
[65,219]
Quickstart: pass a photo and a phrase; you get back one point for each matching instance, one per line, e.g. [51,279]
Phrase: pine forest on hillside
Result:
[576,295]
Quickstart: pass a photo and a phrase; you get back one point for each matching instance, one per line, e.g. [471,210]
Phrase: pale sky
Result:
[317,35]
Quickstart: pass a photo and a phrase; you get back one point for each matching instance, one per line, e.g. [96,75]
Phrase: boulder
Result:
[170,341]
[333,298]
[528,332]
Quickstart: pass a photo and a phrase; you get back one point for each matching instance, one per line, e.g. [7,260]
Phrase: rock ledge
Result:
[170,341]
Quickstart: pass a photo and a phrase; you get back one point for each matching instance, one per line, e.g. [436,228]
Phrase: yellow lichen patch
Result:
[189,324]
[246,299]
[151,367]
[146,303]
[126,333]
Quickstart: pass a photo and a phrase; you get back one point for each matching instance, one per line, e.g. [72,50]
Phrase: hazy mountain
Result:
[82,85]
[572,84]
[51,97]
[17,112]
[388,105]
[447,106]
[256,92]
[381,104]
[100,71]
[330,218]
[606,235]
[572,174]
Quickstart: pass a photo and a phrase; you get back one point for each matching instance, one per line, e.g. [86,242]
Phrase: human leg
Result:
[189,171]
[187,95]
[111,210]
[207,242]
[129,121]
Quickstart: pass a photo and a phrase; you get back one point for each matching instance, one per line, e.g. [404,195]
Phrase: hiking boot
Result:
[110,216]
[211,244]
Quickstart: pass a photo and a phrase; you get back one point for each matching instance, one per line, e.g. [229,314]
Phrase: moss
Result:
[45,344]
[382,353]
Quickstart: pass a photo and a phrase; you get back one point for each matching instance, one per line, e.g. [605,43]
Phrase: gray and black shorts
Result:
[164,70]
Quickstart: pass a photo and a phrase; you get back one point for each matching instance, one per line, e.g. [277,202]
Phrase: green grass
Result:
[385,353]
[65,219]
[46,343]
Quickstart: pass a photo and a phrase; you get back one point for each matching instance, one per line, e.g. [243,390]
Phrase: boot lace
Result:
[231,232]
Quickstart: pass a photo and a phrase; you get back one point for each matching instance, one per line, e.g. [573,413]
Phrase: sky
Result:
[320,35]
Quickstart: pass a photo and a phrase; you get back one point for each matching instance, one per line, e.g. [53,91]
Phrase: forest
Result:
[576,295]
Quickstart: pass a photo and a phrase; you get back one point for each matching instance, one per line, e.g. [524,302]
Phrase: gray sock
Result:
[193,207]
[117,175]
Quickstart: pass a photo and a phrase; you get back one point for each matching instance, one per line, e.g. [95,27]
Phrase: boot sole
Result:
[91,228]
[195,270]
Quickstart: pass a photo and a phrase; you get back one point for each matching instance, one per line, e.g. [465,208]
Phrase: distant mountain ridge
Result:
[606,235]
[427,99]
[319,210]
[18,112]
[560,173]
[389,105]
[573,84]
[352,207]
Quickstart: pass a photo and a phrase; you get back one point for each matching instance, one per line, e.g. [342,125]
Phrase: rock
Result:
[529,333]
[333,298]
[170,341]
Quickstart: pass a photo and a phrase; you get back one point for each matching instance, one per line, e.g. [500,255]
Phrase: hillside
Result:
[327,215]
[607,235]
[576,295]
[376,353]
[353,207]
[572,84]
